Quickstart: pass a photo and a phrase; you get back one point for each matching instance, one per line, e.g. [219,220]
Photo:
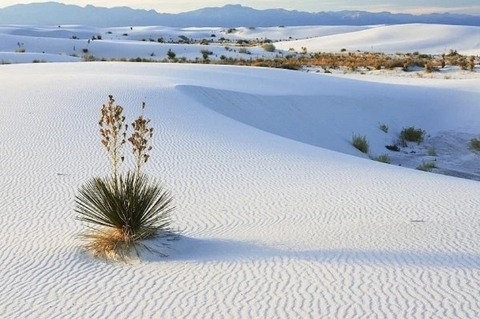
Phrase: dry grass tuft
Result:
[108,244]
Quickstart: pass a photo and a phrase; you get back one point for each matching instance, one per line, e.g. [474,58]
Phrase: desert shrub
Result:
[171,55]
[475,144]
[427,166]
[384,158]
[205,53]
[428,67]
[123,209]
[360,143]
[412,134]
[268,47]
[392,64]
[88,58]
[244,51]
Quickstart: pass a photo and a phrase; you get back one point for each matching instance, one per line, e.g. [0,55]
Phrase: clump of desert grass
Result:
[360,142]
[412,134]
[123,209]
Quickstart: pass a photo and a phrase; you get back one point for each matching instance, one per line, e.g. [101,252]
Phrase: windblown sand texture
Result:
[278,219]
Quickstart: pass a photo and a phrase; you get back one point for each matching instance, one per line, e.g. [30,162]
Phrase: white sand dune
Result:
[425,38]
[277,218]
[70,42]
[272,226]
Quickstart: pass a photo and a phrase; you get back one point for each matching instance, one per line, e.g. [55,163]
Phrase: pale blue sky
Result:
[404,6]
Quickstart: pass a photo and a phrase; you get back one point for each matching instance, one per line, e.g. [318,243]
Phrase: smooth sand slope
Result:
[274,223]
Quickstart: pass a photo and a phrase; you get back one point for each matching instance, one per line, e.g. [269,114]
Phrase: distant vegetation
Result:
[346,61]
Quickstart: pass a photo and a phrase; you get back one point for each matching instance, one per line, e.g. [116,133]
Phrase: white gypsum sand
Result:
[278,218]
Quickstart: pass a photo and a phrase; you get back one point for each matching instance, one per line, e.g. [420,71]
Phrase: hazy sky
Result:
[406,6]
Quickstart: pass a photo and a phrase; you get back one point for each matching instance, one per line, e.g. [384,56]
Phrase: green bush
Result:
[360,143]
[412,134]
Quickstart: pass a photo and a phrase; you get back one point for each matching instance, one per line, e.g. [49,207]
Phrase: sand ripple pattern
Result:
[271,227]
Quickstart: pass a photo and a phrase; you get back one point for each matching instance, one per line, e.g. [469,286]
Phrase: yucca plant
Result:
[123,209]
[122,213]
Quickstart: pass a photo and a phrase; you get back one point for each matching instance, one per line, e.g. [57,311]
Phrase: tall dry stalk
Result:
[139,140]
[113,132]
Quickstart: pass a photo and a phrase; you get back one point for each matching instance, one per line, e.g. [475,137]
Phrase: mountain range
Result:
[54,13]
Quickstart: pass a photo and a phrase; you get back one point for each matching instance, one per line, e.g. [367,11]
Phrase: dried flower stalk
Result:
[139,140]
[113,132]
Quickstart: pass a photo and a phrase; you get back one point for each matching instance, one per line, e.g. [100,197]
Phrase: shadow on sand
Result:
[190,249]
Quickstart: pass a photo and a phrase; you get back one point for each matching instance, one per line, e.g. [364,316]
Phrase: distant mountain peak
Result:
[230,15]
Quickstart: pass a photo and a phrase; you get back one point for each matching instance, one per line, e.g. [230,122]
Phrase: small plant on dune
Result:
[123,209]
[475,144]
[360,142]
[412,134]
[383,127]
[427,166]
[20,48]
